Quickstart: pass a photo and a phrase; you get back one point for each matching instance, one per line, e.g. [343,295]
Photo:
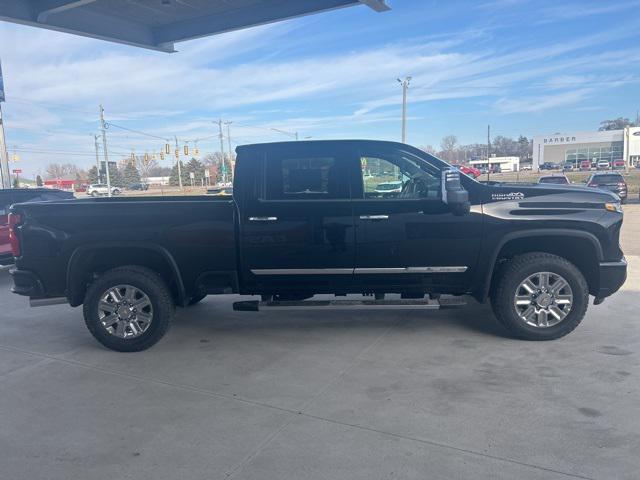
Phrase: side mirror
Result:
[453,194]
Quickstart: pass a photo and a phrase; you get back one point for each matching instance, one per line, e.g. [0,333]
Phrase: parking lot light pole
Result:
[405,86]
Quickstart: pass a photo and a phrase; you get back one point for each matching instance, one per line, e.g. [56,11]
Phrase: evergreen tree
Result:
[131,174]
[93,175]
[197,168]
[16,183]
[39,182]
[117,178]
[173,178]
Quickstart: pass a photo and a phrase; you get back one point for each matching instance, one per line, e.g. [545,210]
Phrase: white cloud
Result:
[541,103]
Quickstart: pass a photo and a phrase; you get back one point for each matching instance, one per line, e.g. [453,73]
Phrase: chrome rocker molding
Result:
[45,302]
[357,271]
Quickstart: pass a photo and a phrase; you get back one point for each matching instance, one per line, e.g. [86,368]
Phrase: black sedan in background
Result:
[614,182]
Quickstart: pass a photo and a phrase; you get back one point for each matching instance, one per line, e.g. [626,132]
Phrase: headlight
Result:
[613,207]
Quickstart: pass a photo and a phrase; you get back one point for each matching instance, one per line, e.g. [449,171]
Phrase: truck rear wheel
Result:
[540,296]
[128,309]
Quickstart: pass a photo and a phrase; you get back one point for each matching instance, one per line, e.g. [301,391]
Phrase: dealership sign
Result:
[559,139]
[17,170]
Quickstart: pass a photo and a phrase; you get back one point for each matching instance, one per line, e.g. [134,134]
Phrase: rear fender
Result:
[77,268]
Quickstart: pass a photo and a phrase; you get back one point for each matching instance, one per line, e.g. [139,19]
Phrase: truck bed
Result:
[193,235]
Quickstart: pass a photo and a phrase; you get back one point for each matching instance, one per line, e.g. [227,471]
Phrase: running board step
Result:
[407,304]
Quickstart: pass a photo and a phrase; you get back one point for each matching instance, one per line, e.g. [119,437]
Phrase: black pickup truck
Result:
[325,217]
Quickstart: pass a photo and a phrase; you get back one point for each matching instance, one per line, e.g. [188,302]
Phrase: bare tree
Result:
[429,149]
[158,171]
[448,145]
[144,166]
[60,170]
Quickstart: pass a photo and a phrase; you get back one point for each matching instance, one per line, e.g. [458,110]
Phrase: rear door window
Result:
[306,173]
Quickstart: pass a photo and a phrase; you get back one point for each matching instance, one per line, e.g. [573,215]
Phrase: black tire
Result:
[145,280]
[196,299]
[94,194]
[623,200]
[515,271]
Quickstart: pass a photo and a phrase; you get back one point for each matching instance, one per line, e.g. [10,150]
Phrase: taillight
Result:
[14,221]
[622,184]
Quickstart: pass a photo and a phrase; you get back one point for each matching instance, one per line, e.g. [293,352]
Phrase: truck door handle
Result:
[263,219]
[374,217]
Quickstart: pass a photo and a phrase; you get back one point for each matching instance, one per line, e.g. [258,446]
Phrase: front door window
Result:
[399,176]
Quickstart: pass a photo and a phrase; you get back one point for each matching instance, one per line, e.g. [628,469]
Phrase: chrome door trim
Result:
[263,219]
[460,269]
[350,271]
[374,217]
[302,271]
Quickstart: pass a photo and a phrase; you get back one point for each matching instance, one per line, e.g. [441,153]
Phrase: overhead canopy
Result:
[158,24]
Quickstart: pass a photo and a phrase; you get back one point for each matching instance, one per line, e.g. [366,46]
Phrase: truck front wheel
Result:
[128,309]
[540,296]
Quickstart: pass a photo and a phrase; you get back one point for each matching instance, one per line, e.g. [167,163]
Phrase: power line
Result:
[109,124]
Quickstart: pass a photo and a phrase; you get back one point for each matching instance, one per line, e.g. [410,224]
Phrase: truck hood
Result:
[546,193]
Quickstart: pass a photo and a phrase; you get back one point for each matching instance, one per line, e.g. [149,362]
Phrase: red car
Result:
[20,195]
[472,172]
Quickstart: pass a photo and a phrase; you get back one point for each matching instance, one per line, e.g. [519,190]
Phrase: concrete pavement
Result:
[315,395]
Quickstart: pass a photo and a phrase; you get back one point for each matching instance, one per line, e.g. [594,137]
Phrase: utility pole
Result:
[229,144]
[95,142]
[229,140]
[488,152]
[405,86]
[178,160]
[221,136]
[288,134]
[103,124]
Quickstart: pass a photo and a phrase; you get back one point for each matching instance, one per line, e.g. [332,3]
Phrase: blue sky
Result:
[525,67]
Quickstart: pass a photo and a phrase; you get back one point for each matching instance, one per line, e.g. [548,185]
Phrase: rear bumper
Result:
[612,276]
[26,283]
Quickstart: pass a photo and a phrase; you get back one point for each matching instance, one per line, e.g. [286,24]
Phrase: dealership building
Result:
[577,147]
[502,164]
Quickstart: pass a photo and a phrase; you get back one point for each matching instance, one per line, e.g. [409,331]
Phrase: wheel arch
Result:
[579,247]
[88,261]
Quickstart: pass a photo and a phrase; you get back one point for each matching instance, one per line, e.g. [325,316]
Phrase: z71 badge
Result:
[507,196]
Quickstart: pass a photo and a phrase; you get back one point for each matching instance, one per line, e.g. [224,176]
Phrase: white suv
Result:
[98,189]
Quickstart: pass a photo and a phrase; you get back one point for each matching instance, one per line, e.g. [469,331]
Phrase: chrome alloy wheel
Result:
[125,311]
[543,299]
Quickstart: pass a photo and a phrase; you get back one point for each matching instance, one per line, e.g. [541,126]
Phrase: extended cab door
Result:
[296,224]
[406,236]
